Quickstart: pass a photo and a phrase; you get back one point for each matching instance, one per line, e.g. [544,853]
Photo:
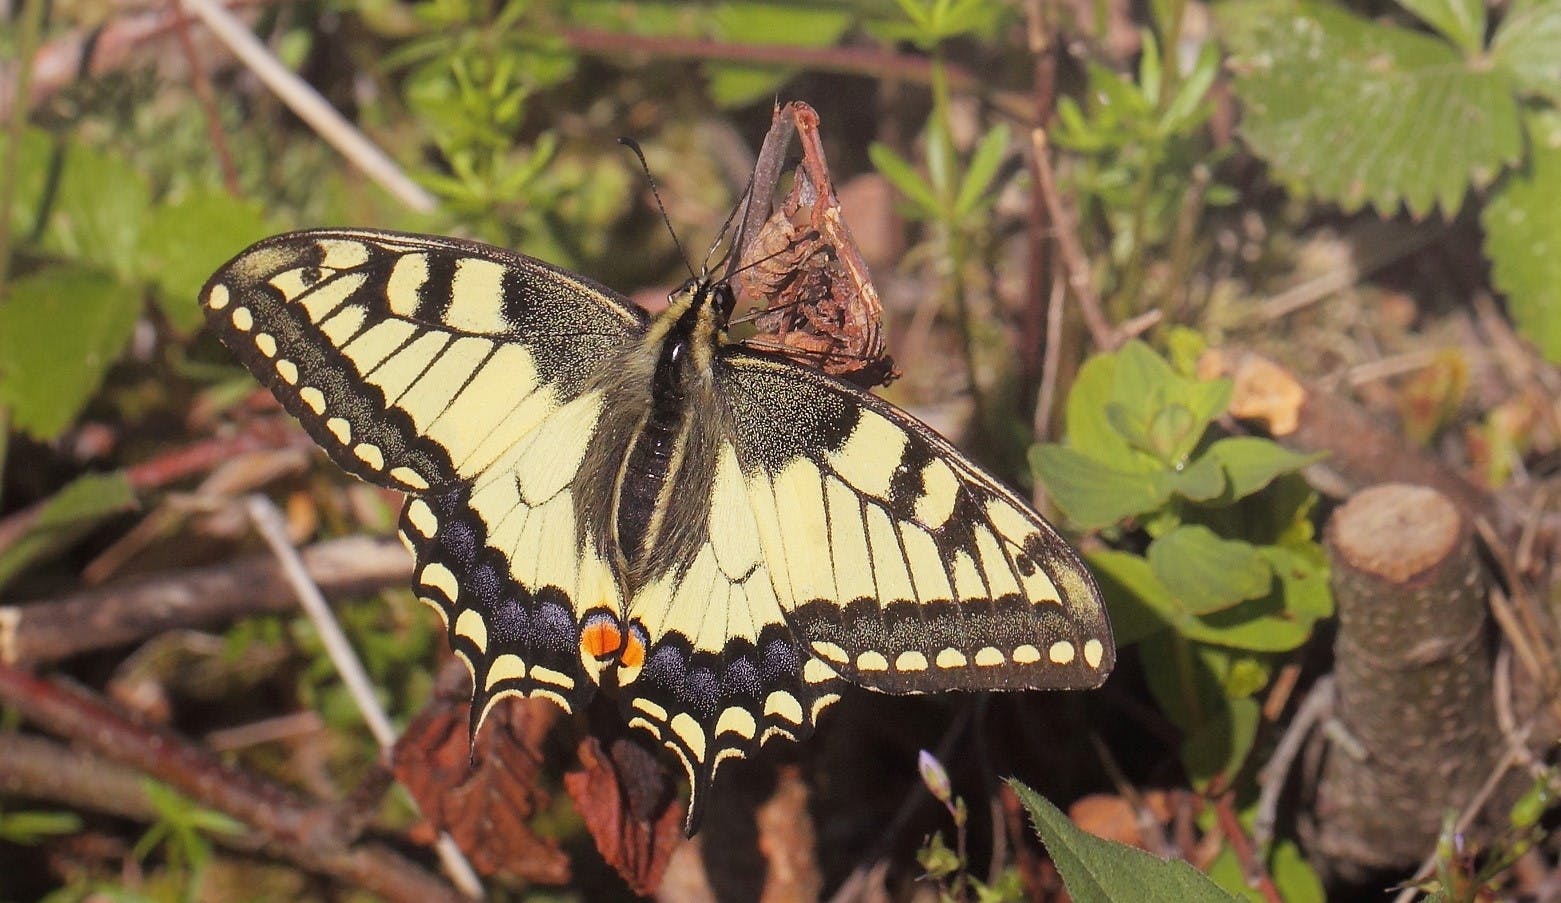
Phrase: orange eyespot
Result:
[601,640]
[633,654]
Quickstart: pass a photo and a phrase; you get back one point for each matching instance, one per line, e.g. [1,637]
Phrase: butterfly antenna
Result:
[633,145]
[745,200]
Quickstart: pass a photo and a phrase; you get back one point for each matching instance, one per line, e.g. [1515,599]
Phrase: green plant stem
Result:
[1122,305]
[1170,53]
[26,44]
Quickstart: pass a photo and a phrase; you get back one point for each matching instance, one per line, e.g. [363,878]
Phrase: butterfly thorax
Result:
[658,435]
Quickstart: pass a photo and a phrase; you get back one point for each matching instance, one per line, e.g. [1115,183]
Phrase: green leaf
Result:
[60,329]
[1100,871]
[181,243]
[736,84]
[1094,495]
[1522,232]
[1140,605]
[1251,463]
[1461,21]
[904,177]
[28,828]
[1358,112]
[1201,481]
[1303,577]
[1090,430]
[983,166]
[1207,573]
[98,211]
[83,504]
[31,174]
[1218,746]
[1528,45]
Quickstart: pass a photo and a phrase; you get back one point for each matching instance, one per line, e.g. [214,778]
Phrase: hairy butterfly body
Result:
[603,498]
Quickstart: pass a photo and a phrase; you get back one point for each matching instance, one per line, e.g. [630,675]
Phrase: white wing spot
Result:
[689,731]
[816,672]
[437,576]
[989,657]
[422,518]
[218,297]
[556,678]
[288,371]
[406,277]
[781,703]
[872,661]
[1093,653]
[1027,654]
[649,708]
[340,428]
[266,342]
[910,660]
[738,721]
[243,320]
[1061,652]
[370,454]
[409,477]
[950,658]
[471,625]
[831,651]
[506,667]
[341,254]
[940,488]
[821,702]
[314,398]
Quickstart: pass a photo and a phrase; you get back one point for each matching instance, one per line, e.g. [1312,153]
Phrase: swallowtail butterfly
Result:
[717,536]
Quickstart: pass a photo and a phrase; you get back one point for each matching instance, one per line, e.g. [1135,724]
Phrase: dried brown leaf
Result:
[626,801]
[484,794]
[804,269]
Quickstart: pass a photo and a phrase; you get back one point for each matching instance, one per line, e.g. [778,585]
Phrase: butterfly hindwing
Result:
[900,564]
[724,672]
[415,361]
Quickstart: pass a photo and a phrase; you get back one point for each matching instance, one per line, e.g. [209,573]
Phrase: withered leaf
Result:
[625,797]
[484,794]
[819,304]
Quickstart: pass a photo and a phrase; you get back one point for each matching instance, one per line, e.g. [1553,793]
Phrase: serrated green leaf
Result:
[1219,745]
[1358,112]
[1091,494]
[60,329]
[1207,573]
[1101,871]
[181,243]
[1528,45]
[1252,463]
[83,504]
[1461,21]
[1522,232]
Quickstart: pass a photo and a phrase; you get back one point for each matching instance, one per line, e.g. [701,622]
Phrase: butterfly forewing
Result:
[415,361]
[899,563]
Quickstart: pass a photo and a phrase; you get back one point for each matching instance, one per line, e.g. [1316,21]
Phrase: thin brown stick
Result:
[1252,869]
[206,98]
[48,631]
[863,61]
[1036,324]
[1074,261]
[300,830]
